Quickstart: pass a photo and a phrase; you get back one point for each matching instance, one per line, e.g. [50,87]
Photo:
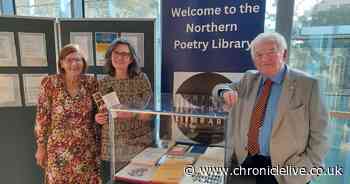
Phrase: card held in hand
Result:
[99,101]
[111,99]
[107,101]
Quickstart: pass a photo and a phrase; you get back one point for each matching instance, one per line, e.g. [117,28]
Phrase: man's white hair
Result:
[268,36]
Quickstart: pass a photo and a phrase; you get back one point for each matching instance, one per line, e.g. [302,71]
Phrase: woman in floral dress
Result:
[67,146]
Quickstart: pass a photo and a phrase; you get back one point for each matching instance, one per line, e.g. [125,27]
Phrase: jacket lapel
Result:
[287,94]
[253,92]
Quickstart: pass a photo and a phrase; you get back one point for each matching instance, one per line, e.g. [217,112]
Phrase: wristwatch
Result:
[222,91]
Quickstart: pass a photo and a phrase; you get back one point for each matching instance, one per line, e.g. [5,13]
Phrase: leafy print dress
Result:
[65,124]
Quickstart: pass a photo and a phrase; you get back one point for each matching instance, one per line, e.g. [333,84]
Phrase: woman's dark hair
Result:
[65,51]
[133,68]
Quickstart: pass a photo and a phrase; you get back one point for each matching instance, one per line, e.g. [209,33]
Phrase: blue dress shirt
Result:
[270,113]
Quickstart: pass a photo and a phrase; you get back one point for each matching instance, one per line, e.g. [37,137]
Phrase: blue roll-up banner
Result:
[209,38]
[205,42]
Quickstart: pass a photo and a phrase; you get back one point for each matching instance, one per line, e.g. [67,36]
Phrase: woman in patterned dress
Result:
[66,134]
[133,131]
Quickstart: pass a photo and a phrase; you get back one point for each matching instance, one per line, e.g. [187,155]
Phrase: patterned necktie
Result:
[257,118]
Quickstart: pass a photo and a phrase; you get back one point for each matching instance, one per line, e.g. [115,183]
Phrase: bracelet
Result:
[41,145]
[222,91]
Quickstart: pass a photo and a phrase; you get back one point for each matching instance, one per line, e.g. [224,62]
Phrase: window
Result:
[270,15]
[122,8]
[45,8]
[320,45]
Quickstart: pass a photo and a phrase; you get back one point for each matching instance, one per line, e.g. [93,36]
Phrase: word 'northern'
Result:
[211,27]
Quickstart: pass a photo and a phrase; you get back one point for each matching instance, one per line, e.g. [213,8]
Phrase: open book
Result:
[212,157]
[142,167]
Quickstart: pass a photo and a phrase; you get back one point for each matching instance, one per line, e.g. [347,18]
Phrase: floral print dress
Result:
[131,136]
[65,125]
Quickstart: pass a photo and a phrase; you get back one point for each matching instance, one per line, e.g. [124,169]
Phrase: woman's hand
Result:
[101,118]
[40,156]
[125,115]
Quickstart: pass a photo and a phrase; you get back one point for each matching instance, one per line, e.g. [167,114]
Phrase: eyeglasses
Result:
[123,55]
[73,60]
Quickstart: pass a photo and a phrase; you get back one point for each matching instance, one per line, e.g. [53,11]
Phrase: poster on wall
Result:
[137,41]
[102,41]
[7,49]
[31,84]
[208,37]
[33,49]
[84,40]
[10,91]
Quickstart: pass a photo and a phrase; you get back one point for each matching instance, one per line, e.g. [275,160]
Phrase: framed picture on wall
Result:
[102,42]
[32,49]
[84,40]
[31,83]
[7,49]
[10,91]
[137,41]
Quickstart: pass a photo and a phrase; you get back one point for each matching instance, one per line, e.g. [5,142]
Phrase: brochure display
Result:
[138,156]
[27,53]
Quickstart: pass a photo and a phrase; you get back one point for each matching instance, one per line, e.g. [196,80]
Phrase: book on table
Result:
[178,149]
[142,166]
[136,173]
[172,170]
[149,156]
[160,166]
[212,160]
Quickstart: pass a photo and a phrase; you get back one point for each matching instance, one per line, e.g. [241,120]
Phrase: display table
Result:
[196,120]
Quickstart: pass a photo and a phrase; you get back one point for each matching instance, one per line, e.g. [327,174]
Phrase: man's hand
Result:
[230,97]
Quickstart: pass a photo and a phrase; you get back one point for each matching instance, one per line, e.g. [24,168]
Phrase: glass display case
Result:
[196,124]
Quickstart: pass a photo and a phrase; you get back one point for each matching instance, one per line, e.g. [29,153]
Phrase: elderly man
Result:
[277,117]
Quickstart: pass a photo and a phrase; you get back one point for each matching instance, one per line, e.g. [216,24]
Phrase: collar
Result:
[278,78]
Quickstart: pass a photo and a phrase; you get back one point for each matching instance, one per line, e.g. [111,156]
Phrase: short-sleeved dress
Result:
[65,124]
[132,136]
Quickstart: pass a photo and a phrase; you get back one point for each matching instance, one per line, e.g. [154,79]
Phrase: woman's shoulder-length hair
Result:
[133,68]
